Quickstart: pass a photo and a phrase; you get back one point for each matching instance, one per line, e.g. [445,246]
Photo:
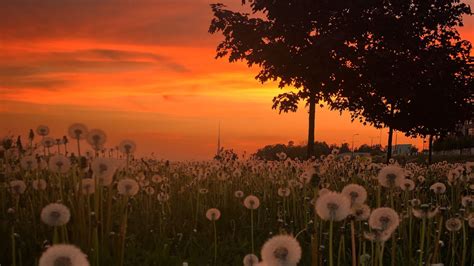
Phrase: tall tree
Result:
[409,68]
[294,42]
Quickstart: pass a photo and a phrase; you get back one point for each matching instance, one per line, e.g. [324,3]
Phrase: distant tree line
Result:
[453,143]
[273,152]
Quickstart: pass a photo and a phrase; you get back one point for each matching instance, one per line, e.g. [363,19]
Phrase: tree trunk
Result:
[430,149]
[311,124]
[389,144]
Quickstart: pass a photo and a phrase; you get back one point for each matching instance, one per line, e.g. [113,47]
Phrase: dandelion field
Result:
[119,209]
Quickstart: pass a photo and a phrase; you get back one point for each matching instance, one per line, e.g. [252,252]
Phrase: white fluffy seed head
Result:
[281,250]
[127,146]
[391,176]
[104,170]
[356,193]
[454,224]
[284,192]
[213,214]
[77,131]
[407,185]
[333,206]
[39,184]
[59,163]
[384,219]
[96,138]
[63,255]
[250,260]
[251,202]
[470,222]
[361,212]
[87,186]
[239,194]
[438,188]
[128,187]
[29,162]
[55,214]
[17,187]
[468,201]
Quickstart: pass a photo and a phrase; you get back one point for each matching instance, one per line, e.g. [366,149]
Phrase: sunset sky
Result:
[145,70]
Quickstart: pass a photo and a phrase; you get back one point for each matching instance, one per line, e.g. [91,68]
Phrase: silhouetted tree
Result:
[409,68]
[293,42]
[372,150]
[270,152]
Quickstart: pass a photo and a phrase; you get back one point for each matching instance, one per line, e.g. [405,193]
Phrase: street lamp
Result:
[372,141]
[353,142]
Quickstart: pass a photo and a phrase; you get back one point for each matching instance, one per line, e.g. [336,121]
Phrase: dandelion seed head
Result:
[284,192]
[87,186]
[127,146]
[63,255]
[356,193]
[77,131]
[239,194]
[453,224]
[470,222]
[42,130]
[250,260]
[55,214]
[96,138]
[391,176]
[438,188]
[213,214]
[149,190]
[163,197]
[59,163]
[39,184]
[48,142]
[333,206]
[384,219]
[361,212]
[104,170]
[407,185]
[29,162]
[468,201]
[128,187]
[17,187]
[281,250]
[251,202]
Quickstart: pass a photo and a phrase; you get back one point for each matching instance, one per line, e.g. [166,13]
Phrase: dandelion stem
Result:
[438,237]
[79,150]
[251,229]
[331,262]
[314,238]
[13,247]
[215,242]
[453,247]
[464,244]
[353,242]
[422,242]
[382,247]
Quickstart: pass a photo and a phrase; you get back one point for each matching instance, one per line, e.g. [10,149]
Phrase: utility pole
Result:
[353,143]
[219,139]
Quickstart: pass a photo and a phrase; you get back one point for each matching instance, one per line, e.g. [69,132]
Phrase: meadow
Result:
[113,208]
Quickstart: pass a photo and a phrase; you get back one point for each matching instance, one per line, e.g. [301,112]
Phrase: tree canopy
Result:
[394,63]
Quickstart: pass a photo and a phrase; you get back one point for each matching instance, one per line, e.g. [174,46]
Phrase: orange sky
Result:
[145,70]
